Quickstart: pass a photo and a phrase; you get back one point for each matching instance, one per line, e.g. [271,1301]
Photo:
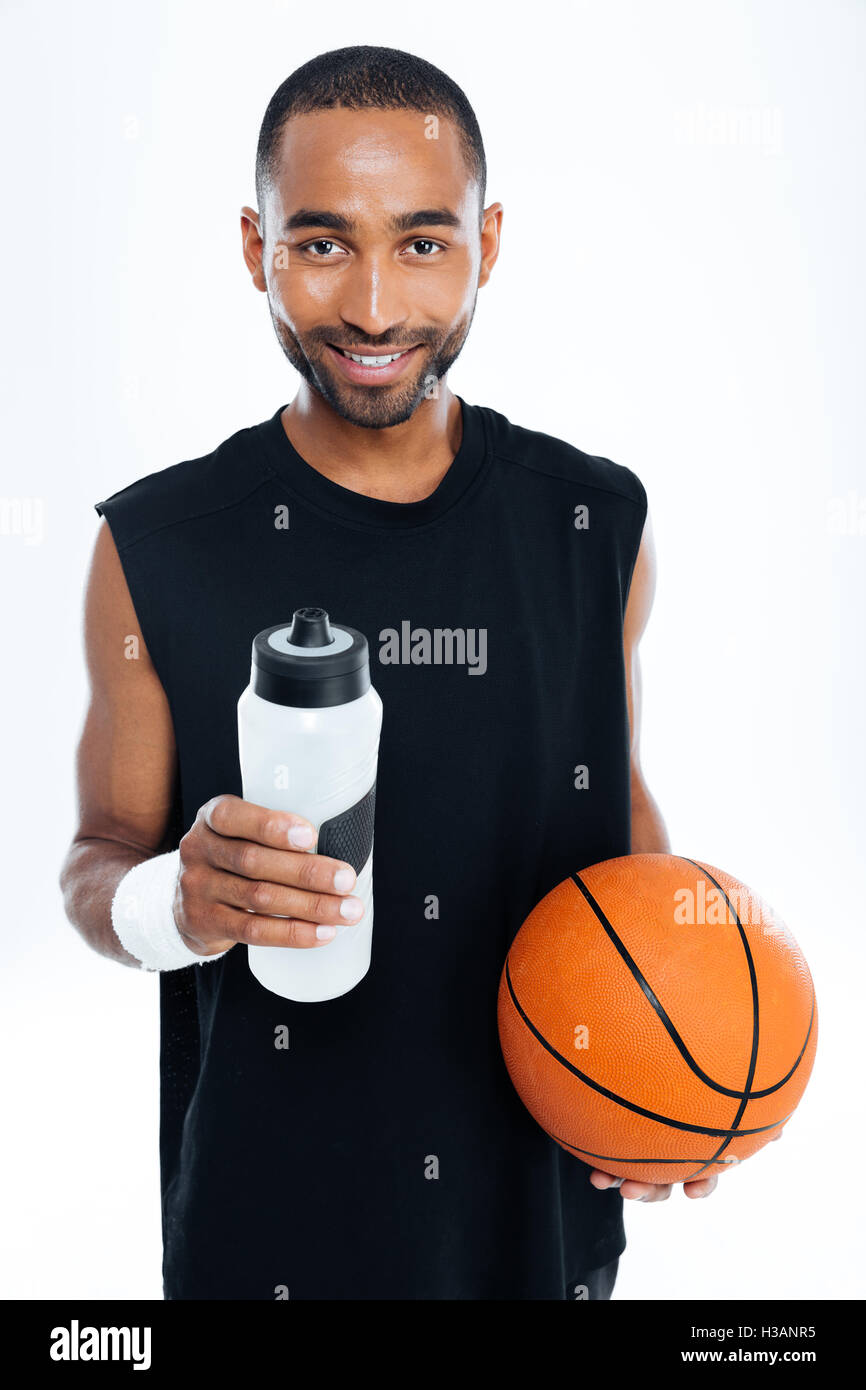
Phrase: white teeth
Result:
[372,361]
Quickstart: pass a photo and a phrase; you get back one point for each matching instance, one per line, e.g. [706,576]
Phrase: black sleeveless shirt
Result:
[383,1153]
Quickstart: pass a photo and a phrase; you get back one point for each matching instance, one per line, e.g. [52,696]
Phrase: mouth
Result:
[366,368]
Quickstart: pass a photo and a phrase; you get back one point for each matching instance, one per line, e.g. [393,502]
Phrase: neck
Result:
[403,463]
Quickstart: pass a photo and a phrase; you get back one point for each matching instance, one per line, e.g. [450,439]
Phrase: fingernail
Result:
[300,835]
[351,909]
[326,933]
[344,879]
[619,1182]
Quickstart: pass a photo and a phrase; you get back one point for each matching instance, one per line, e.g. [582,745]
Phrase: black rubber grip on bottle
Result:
[349,835]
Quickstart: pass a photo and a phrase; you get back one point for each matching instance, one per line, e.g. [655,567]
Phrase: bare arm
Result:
[648,832]
[126,761]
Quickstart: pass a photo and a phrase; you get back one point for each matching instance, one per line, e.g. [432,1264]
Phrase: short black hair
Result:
[366,77]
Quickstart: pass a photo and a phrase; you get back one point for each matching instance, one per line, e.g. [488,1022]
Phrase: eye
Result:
[430,246]
[318,254]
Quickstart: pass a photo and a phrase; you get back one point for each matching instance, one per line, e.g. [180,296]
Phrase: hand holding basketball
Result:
[630,1189]
[633,1190]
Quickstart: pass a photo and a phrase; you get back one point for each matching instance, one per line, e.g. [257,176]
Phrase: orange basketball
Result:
[657,1018]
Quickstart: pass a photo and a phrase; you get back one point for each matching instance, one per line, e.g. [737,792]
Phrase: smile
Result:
[380,361]
[372,368]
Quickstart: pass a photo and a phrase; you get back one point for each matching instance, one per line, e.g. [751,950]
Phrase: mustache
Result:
[321,337]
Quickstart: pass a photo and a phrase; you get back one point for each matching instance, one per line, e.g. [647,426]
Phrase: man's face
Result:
[372,246]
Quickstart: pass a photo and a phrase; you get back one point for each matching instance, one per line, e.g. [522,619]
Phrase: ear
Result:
[491,228]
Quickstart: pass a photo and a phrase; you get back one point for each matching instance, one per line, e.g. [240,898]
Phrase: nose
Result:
[373,296]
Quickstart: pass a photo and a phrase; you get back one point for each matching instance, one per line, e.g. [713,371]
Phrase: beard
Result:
[373,407]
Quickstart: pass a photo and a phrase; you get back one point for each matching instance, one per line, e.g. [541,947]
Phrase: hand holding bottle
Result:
[247,875]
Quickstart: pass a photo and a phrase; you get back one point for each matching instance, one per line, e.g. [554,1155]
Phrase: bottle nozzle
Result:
[310,628]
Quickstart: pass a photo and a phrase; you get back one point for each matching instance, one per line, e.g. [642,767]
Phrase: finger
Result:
[603,1180]
[316,873]
[245,820]
[645,1191]
[702,1188]
[254,929]
[275,900]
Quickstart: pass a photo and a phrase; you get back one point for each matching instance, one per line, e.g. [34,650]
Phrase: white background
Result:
[681,281]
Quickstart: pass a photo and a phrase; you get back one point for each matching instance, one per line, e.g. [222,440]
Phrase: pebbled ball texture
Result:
[657,1018]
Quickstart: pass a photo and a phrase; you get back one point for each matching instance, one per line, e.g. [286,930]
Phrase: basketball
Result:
[657,1018]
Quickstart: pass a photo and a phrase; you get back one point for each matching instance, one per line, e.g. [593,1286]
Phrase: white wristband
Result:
[142,914]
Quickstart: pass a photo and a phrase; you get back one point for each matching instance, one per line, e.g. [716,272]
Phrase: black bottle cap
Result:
[310,662]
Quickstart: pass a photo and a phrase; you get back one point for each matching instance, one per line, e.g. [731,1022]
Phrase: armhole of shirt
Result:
[642,512]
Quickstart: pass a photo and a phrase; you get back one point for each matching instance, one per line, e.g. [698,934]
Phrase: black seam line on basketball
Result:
[611,1158]
[753,1060]
[615,1158]
[620,1100]
[754,1094]
[655,1003]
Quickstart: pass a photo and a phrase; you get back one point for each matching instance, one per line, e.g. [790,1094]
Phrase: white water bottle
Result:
[308,736]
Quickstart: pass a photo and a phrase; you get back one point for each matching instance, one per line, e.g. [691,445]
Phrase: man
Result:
[383,1153]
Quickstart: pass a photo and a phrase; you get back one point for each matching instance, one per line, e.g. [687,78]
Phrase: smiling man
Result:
[371,1146]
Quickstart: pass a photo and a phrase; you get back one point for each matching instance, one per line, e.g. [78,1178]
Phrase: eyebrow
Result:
[402,222]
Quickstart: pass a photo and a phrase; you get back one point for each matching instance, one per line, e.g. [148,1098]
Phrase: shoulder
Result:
[546,455]
[184,491]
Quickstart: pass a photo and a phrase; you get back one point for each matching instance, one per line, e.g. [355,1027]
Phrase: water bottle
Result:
[308,737]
